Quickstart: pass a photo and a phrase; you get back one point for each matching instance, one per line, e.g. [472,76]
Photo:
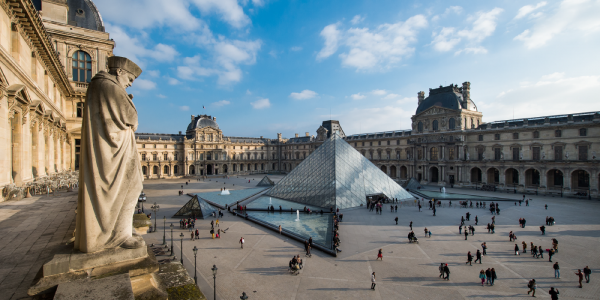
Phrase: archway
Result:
[434,174]
[493,176]
[532,177]
[403,172]
[580,180]
[176,169]
[511,176]
[393,171]
[192,170]
[555,179]
[476,175]
[241,167]
[224,169]
[274,166]
[209,169]
[234,167]
[384,169]
[166,170]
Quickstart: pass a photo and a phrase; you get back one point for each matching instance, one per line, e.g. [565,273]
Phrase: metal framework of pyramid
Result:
[412,185]
[266,181]
[196,207]
[336,175]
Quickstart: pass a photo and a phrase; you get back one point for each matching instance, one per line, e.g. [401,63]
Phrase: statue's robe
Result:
[110,173]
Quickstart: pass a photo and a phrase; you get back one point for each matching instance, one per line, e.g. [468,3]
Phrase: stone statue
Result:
[468,156]
[110,176]
[502,155]
[543,155]
[567,155]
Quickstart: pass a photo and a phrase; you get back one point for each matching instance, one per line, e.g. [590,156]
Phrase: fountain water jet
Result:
[297,215]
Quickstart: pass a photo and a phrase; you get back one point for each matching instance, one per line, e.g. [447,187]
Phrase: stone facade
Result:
[453,146]
[39,95]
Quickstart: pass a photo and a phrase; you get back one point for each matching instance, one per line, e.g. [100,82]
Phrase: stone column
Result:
[16,126]
[35,147]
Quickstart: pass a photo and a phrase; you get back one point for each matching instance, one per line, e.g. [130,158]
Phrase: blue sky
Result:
[267,66]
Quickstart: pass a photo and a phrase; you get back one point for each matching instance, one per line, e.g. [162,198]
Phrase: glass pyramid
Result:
[336,175]
[196,207]
[266,181]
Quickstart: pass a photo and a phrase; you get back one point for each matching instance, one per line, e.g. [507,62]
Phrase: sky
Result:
[263,67]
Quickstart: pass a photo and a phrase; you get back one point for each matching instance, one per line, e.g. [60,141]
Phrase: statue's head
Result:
[124,69]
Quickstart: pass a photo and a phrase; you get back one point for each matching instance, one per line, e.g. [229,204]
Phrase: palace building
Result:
[448,145]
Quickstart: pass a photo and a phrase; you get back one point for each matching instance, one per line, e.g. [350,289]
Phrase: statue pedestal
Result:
[77,261]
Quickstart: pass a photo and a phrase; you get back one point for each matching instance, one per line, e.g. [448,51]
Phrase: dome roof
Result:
[83,13]
[450,97]
[201,121]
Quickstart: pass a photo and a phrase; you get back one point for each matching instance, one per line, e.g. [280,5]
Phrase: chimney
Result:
[296,135]
[261,136]
[307,134]
[466,90]
[193,118]
[215,119]
[421,96]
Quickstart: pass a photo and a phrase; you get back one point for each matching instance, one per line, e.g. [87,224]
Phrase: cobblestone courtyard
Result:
[32,229]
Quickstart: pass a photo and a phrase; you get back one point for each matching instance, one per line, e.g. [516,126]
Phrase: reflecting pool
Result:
[263,202]
[235,196]
[317,226]
[428,194]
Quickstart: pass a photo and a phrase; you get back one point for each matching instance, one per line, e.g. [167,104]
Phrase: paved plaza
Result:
[33,229]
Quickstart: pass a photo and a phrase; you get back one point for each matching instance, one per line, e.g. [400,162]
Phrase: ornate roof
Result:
[201,121]
[83,13]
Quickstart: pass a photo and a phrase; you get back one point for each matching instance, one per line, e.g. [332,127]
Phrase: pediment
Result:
[436,110]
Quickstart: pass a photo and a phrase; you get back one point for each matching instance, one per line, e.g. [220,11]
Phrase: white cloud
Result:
[144,84]
[305,94]
[578,16]
[546,96]
[248,92]
[161,96]
[273,53]
[173,81]
[483,25]
[229,10]
[133,47]
[378,92]
[331,35]
[153,73]
[357,19]
[375,119]
[258,2]
[391,97]
[261,103]
[357,96]
[221,103]
[378,48]
[296,48]
[527,9]
[184,108]
[143,14]
[453,9]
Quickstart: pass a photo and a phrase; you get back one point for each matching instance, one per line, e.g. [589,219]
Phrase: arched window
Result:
[435,125]
[166,170]
[420,127]
[82,67]
[80,109]
[155,170]
[434,153]
[451,124]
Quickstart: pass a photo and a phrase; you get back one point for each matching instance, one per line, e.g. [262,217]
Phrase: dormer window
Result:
[82,67]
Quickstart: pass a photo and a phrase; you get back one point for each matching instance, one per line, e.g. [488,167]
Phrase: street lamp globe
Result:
[214,270]
[195,250]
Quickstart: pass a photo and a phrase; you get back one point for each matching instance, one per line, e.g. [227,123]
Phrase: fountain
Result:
[297,215]
[443,190]
[225,192]
[270,200]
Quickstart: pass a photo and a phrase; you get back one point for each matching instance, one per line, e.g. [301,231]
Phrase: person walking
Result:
[242,242]
[447,272]
[553,293]
[482,276]
[524,247]
[410,225]
[580,274]
[532,286]
[472,230]
[478,256]
[279,229]
[550,254]
[556,270]
[531,248]
[192,236]
[488,275]
[540,252]
[460,229]
[494,276]
[373,281]
[586,273]
[484,247]
[380,255]
[441,268]
[469,258]
[396,219]
[476,220]
[516,249]
[466,234]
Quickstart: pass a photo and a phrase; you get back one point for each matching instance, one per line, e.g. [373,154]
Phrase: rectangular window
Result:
[370,143]
[536,153]
[379,143]
[481,137]
[451,153]
[558,153]
[515,136]
[165,157]
[397,142]
[143,156]
[583,152]
[354,144]
[480,154]
[143,145]
[420,153]
[175,156]
[557,133]
[497,153]
[497,136]
[515,152]
[363,143]
[582,132]
[154,157]
[536,134]
[388,142]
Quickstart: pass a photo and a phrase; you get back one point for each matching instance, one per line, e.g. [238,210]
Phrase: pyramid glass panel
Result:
[266,181]
[196,207]
[336,175]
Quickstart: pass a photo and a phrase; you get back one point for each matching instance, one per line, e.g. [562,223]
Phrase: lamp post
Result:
[155,208]
[181,236]
[164,230]
[214,270]
[171,238]
[243,296]
[195,252]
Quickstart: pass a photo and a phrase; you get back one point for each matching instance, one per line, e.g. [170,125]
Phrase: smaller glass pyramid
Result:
[266,181]
[412,185]
[197,208]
